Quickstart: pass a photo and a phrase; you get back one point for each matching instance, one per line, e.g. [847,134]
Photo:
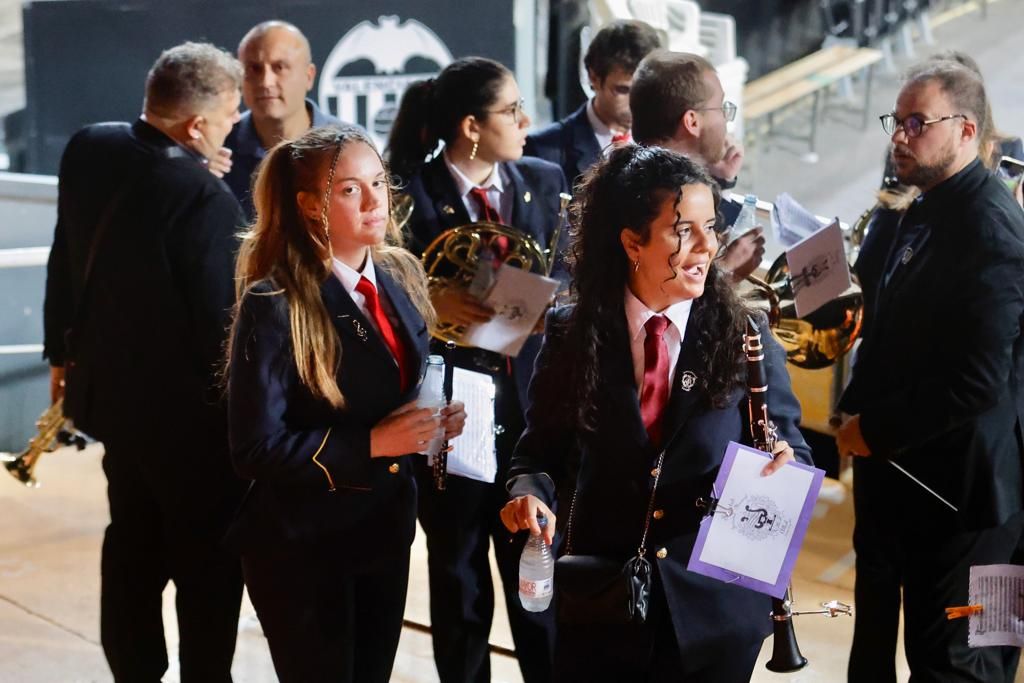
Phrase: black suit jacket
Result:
[536,210]
[313,477]
[936,380]
[615,475]
[570,143]
[162,285]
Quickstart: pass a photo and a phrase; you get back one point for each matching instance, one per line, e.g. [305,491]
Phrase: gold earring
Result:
[472,152]
[636,265]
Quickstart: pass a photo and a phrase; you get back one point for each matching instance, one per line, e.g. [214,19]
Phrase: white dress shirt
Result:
[496,185]
[602,132]
[637,315]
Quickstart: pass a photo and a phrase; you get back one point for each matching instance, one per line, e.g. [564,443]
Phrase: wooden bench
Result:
[810,77]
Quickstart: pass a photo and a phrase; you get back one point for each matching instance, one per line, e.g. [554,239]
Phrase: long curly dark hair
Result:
[629,188]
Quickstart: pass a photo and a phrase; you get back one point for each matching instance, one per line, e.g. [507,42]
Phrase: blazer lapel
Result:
[412,329]
[349,320]
[584,142]
[448,205]
[685,391]
[621,385]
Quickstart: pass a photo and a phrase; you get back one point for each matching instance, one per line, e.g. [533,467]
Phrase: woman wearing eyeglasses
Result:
[475,108]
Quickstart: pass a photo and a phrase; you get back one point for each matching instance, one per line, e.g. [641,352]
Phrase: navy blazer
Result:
[570,143]
[615,474]
[313,477]
[536,210]
[936,381]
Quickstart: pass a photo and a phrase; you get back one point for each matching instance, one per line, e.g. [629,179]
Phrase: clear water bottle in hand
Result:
[536,572]
[746,220]
[432,396]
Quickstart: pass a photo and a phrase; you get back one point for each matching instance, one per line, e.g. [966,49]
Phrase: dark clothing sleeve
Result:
[542,456]
[263,383]
[202,261]
[58,306]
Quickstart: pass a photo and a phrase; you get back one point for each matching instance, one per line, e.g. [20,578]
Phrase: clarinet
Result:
[441,458]
[786,654]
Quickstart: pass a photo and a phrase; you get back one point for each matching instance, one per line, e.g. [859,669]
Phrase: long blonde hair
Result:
[293,252]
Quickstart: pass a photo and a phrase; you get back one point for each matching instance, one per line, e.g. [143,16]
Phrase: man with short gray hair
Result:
[138,297]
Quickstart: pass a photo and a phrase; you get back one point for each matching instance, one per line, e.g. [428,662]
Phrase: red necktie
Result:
[621,138]
[387,332]
[489,214]
[654,394]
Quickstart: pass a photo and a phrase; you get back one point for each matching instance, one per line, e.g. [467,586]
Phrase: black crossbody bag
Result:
[596,589]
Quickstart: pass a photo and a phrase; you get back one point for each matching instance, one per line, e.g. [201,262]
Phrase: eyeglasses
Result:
[728,110]
[514,110]
[914,124]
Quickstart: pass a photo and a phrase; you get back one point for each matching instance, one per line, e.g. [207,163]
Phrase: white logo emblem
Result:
[371,66]
[688,380]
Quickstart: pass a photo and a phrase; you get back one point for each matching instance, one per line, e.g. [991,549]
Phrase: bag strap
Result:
[642,548]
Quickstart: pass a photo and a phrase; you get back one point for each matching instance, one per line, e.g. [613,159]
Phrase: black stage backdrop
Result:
[86,60]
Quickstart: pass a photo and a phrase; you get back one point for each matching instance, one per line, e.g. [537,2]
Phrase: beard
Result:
[923,175]
[712,148]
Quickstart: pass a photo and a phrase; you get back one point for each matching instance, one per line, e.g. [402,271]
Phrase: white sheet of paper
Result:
[519,299]
[999,589]
[473,453]
[818,269]
[736,542]
[791,222]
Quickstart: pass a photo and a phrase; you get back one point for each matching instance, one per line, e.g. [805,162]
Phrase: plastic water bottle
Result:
[432,396]
[747,218]
[536,572]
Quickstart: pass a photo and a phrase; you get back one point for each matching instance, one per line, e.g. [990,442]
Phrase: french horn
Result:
[456,256]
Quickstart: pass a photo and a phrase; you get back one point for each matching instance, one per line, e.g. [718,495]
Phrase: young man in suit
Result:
[575,143]
[936,390]
[678,103]
[141,274]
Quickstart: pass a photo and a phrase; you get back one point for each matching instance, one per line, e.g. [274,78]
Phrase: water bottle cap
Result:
[542,520]
[435,359]
[750,198]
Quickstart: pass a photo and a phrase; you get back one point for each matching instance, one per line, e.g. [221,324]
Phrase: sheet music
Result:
[756,532]
[473,454]
[791,222]
[999,589]
[818,269]
[519,299]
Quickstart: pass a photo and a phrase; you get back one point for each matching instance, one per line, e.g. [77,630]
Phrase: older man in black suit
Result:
[575,142]
[936,390]
[140,284]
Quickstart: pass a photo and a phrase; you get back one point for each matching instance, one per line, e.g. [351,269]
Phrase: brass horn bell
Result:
[816,340]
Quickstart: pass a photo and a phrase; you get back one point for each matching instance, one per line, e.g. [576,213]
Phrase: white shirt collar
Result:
[495,181]
[637,315]
[350,277]
[600,129]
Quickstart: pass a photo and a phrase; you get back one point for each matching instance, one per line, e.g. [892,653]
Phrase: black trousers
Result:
[647,653]
[168,512]
[460,524]
[933,570]
[324,622]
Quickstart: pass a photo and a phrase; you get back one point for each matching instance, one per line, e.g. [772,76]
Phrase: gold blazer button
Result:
[662,553]
[658,514]
[393,469]
[655,472]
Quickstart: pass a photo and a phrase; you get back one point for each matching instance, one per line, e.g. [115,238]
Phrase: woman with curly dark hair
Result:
[647,364]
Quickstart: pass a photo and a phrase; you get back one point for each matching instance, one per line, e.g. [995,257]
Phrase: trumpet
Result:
[53,431]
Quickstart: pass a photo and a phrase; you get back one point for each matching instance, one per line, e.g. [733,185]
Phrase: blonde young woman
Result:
[328,345]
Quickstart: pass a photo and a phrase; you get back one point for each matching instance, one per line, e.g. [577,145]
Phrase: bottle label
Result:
[536,589]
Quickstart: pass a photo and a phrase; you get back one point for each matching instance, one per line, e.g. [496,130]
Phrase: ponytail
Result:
[413,136]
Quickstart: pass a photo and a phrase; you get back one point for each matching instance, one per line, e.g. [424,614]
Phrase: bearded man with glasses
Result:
[935,389]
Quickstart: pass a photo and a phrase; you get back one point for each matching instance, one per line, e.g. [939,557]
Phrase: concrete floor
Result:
[50,539]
